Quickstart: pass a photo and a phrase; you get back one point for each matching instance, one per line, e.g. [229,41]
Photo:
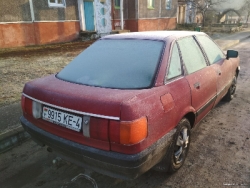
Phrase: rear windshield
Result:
[121,64]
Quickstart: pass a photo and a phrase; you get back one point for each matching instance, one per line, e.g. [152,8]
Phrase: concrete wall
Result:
[51,25]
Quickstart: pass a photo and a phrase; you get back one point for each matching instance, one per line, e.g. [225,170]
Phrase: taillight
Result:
[114,131]
[26,105]
[132,132]
[96,128]
[23,103]
[128,132]
[36,109]
[121,132]
[31,107]
[99,128]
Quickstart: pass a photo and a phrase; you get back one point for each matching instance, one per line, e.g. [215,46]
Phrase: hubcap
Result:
[181,146]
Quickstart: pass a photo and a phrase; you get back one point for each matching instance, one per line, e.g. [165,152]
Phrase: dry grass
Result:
[16,71]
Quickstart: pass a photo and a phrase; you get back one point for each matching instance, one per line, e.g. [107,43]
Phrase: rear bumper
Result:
[105,162]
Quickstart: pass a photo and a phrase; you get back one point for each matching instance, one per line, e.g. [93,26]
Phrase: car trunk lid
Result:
[96,105]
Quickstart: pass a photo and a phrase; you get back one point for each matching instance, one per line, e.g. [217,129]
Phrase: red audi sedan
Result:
[128,102]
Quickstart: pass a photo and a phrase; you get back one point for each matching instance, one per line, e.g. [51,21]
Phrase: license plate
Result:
[67,120]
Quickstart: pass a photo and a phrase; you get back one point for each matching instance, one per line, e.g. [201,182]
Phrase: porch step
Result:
[119,31]
[87,35]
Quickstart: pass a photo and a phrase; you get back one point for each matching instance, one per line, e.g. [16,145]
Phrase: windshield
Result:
[121,64]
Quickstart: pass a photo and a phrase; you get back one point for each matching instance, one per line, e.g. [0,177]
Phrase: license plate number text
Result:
[64,119]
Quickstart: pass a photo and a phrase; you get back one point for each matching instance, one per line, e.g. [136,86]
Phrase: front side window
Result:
[174,69]
[168,4]
[116,63]
[57,3]
[151,4]
[117,4]
[191,55]
[213,52]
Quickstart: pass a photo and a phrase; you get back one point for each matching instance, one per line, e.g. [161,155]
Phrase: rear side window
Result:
[120,64]
[191,55]
[175,64]
[213,52]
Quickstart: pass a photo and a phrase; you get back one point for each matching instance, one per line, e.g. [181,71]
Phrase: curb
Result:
[229,43]
[12,138]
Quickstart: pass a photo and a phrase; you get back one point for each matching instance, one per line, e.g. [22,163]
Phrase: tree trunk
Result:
[203,19]
[248,14]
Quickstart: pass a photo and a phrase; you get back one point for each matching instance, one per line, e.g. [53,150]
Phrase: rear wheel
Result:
[231,91]
[177,152]
[180,146]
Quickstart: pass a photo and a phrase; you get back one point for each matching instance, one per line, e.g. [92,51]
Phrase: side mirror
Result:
[232,54]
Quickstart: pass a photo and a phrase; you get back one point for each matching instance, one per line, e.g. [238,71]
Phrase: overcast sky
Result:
[234,4]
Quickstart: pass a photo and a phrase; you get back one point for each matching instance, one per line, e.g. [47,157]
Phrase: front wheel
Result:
[231,91]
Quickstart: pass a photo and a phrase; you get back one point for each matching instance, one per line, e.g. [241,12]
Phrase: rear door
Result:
[219,63]
[202,79]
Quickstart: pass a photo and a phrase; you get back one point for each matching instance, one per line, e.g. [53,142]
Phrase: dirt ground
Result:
[219,154]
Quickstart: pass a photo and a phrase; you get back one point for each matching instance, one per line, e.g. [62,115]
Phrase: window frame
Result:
[56,4]
[151,4]
[202,52]
[154,75]
[116,5]
[168,4]
[166,79]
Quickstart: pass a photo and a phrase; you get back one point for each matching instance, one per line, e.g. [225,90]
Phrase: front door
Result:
[219,63]
[89,15]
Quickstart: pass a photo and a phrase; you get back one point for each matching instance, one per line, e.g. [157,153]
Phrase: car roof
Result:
[153,35]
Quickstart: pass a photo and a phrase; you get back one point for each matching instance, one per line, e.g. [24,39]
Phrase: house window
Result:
[117,4]
[151,4]
[168,4]
[57,3]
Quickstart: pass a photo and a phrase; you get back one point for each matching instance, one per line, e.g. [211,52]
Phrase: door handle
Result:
[197,85]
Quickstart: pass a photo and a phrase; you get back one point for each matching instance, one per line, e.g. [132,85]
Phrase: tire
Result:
[178,150]
[231,91]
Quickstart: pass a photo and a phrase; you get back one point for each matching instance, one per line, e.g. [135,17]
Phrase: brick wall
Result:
[25,34]
[157,24]
[51,25]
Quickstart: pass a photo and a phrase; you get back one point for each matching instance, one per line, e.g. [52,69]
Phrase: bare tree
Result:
[202,6]
[246,8]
